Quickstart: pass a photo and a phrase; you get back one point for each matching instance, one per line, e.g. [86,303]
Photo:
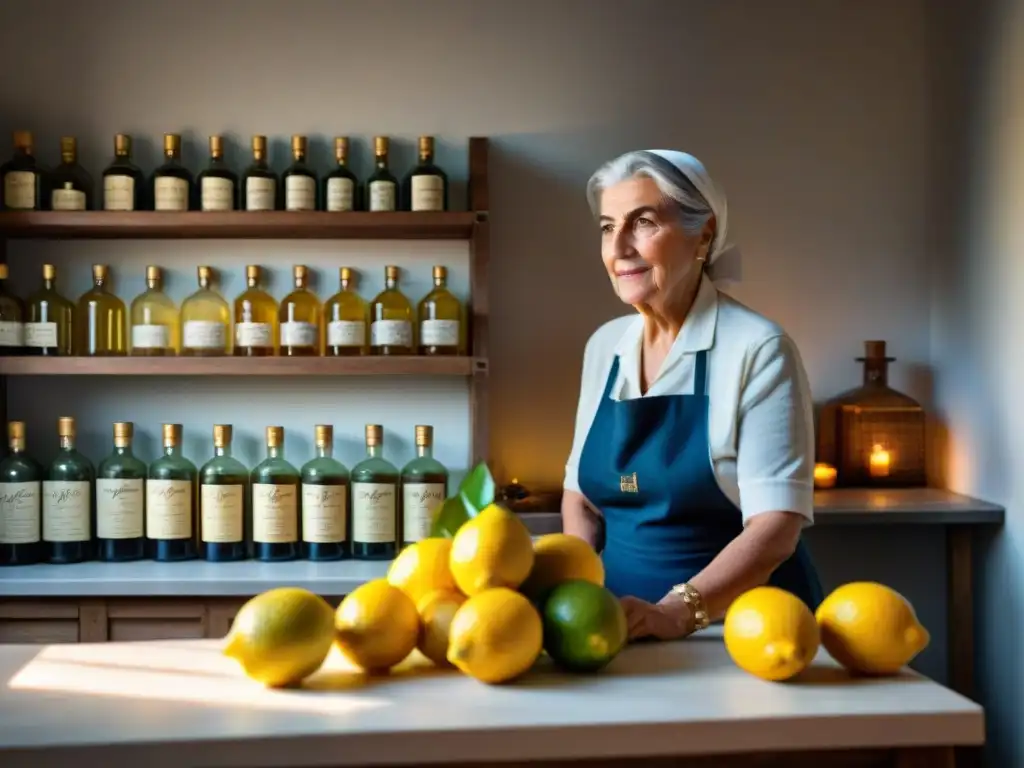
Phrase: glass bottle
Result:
[259,183]
[300,318]
[171,502]
[154,318]
[49,319]
[120,501]
[424,488]
[391,319]
[382,186]
[12,319]
[324,501]
[299,180]
[374,483]
[345,319]
[341,186]
[124,183]
[24,179]
[442,330]
[100,319]
[426,186]
[173,187]
[70,185]
[20,502]
[275,503]
[255,318]
[205,320]
[69,514]
[223,502]
[218,184]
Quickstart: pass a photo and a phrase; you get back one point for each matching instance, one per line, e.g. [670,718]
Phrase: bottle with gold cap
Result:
[223,502]
[171,507]
[12,319]
[341,186]
[154,319]
[173,185]
[205,320]
[121,501]
[275,503]
[441,319]
[374,483]
[346,319]
[71,187]
[391,319]
[425,188]
[49,319]
[259,183]
[299,180]
[256,329]
[381,186]
[100,318]
[124,183]
[22,178]
[69,511]
[424,488]
[217,183]
[299,316]
[324,501]
[20,502]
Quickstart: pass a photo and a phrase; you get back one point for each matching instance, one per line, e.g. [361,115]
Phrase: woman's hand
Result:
[670,619]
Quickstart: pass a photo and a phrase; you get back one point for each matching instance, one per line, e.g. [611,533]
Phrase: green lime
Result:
[584,626]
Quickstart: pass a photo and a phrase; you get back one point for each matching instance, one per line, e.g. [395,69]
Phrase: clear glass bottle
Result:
[374,483]
[259,183]
[71,187]
[441,319]
[24,179]
[173,186]
[381,186]
[223,502]
[345,319]
[299,180]
[275,503]
[426,186]
[217,183]
[205,320]
[299,317]
[121,501]
[324,501]
[69,512]
[49,319]
[171,502]
[124,183]
[154,318]
[12,319]
[391,330]
[20,502]
[100,319]
[424,488]
[341,186]
[256,328]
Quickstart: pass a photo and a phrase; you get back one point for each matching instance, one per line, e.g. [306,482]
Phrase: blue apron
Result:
[646,466]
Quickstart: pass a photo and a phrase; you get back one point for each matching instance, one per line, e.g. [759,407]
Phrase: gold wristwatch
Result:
[694,599]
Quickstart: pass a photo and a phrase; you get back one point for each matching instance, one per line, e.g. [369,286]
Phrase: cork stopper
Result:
[221,435]
[123,431]
[275,437]
[424,435]
[380,145]
[171,434]
[323,435]
[66,426]
[49,272]
[374,434]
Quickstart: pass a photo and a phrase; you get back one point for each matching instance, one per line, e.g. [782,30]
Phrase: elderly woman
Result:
[693,453]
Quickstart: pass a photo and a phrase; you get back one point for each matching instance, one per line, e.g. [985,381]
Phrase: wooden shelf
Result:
[322,225]
[242,366]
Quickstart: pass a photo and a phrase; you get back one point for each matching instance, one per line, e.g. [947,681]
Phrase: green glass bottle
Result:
[424,488]
[20,498]
[120,501]
[324,501]
[69,514]
[275,503]
[223,502]
[49,319]
[374,483]
[171,502]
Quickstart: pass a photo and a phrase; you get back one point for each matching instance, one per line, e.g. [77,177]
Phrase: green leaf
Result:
[478,488]
[450,517]
[475,492]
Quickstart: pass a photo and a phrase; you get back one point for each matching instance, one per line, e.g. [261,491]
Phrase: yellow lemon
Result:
[494,549]
[281,636]
[870,628]
[496,636]
[558,558]
[437,609]
[422,567]
[376,626]
[771,633]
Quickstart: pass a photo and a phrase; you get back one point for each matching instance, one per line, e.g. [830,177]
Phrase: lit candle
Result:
[878,463]
[824,476]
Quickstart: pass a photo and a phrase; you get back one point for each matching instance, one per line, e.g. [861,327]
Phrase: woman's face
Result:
[649,257]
